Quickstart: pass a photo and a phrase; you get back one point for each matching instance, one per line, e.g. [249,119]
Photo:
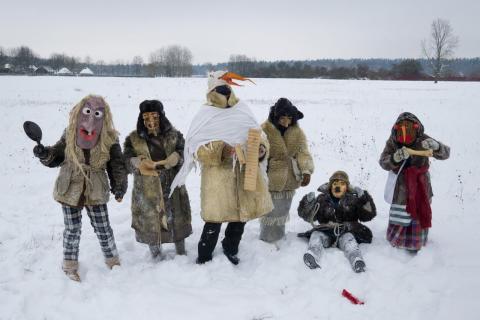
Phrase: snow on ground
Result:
[347,123]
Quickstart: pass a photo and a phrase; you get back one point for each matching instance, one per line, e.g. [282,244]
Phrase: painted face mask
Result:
[339,188]
[152,122]
[406,132]
[90,123]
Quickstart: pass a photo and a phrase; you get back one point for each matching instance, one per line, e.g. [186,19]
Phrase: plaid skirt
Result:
[411,237]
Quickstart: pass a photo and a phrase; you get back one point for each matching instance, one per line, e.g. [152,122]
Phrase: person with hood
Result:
[290,165]
[219,128]
[88,154]
[337,209]
[410,210]
[154,154]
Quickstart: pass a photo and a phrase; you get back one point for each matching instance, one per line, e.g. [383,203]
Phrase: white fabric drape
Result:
[210,124]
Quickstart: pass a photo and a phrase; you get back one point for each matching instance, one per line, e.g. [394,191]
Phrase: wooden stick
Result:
[420,153]
[240,154]
[251,167]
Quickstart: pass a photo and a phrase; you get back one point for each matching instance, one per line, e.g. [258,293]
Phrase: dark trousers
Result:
[209,238]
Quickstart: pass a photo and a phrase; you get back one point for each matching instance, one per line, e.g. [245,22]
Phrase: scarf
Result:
[418,202]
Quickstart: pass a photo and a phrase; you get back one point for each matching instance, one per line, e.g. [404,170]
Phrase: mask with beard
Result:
[151,120]
[90,123]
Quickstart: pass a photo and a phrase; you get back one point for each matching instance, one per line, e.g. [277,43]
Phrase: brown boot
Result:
[112,262]
[70,267]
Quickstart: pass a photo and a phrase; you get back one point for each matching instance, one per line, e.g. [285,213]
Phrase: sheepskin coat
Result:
[284,152]
[223,198]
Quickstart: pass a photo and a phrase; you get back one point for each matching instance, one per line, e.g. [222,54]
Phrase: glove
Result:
[119,195]
[359,191]
[401,154]
[40,151]
[171,161]
[306,180]
[429,143]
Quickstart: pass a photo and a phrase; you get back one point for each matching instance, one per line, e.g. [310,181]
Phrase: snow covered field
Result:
[346,122]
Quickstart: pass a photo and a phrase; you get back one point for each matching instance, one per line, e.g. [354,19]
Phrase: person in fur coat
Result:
[290,165]
[88,154]
[338,209]
[156,217]
[410,211]
[222,123]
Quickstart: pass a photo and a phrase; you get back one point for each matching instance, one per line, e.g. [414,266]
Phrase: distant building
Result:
[64,72]
[86,72]
[44,70]
[32,68]
[7,68]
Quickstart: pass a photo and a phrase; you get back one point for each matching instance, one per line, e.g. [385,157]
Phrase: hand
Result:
[40,151]
[227,151]
[401,154]
[306,180]
[429,143]
[262,151]
[119,196]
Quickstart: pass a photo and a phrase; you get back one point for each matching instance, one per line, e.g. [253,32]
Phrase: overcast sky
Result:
[212,30]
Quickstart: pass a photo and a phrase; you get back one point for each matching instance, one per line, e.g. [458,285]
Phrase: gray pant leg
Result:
[180,247]
[272,225]
[155,249]
[350,248]
[317,244]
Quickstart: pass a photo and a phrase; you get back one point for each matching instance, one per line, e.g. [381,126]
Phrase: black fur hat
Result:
[152,106]
[283,107]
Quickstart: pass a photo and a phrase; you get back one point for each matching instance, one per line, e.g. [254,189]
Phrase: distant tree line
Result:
[171,61]
[375,69]
[176,61]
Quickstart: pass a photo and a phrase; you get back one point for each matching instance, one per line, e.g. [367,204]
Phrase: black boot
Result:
[233,235]
[208,241]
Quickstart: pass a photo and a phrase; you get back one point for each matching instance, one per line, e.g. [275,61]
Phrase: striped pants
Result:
[98,215]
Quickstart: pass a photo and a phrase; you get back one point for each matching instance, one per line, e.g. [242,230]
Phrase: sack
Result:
[391,184]
[296,170]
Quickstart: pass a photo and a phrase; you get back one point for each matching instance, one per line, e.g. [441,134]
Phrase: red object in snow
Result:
[351,297]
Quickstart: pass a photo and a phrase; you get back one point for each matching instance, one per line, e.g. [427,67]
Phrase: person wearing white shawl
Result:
[220,124]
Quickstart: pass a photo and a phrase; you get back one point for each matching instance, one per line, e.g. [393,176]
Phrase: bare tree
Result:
[172,61]
[440,46]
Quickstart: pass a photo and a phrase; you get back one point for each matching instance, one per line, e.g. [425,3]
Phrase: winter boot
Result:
[180,247]
[155,250]
[70,267]
[233,235]
[359,265]
[316,249]
[112,262]
[310,261]
[208,241]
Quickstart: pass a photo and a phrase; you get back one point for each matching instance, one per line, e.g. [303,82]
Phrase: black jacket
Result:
[357,205]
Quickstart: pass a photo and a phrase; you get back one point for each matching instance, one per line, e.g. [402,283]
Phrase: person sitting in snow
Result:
[410,211]
[289,165]
[157,147]
[88,154]
[219,126]
[338,209]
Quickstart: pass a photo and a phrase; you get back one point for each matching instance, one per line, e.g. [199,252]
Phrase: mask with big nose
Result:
[90,123]
[338,189]
[151,120]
